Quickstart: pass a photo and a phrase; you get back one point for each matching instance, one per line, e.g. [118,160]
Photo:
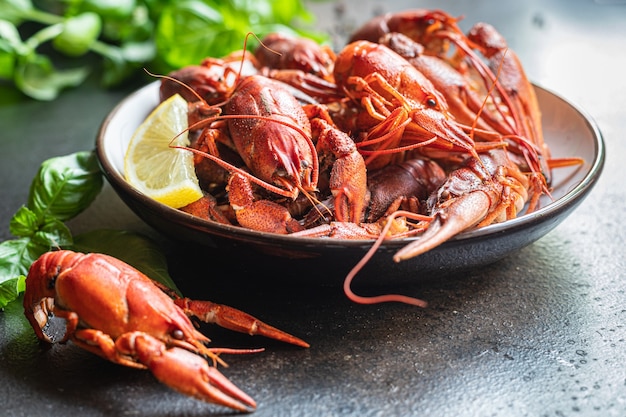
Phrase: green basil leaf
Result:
[79,33]
[138,52]
[15,10]
[286,11]
[120,63]
[10,36]
[66,185]
[17,255]
[24,222]
[188,31]
[115,9]
[133,248]
[138,27]
[7,62]
[53,233]
[11,289]
[36,77]
[11,46]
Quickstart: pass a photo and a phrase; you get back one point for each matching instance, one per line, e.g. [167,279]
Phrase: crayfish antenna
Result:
[179,82]
[386,298]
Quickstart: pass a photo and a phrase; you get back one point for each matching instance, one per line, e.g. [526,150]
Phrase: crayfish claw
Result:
[188,373]
[464,213]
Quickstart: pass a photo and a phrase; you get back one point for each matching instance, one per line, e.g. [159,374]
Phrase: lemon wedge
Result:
[153,166]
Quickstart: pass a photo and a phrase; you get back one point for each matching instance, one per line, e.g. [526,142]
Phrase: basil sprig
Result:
[127,35]
[63,188]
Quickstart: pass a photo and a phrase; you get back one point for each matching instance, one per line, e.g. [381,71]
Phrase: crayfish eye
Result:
[431,102]
[178,334]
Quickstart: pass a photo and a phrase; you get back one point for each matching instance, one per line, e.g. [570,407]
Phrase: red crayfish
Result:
[280,145]
[113,310]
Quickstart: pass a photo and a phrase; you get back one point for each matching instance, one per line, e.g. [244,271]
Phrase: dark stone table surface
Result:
[540,333]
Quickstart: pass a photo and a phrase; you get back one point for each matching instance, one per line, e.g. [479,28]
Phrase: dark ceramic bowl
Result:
[568,130]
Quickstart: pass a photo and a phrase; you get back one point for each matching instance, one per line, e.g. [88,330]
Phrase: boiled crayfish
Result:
[113,310]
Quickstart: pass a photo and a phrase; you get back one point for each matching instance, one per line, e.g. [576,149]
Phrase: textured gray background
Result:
[540,333]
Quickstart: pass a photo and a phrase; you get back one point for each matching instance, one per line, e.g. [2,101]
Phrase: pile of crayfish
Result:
[413,128]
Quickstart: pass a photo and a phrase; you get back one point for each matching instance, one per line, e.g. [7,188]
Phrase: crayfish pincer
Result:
[113,310]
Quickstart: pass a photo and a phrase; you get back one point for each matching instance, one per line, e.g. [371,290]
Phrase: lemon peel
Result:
[156,168]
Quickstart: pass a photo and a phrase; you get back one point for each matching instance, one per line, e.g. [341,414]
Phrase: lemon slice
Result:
[152,166]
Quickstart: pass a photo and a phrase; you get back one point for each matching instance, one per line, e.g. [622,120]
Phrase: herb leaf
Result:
[36,76]
[130,34]
[16,257]
[10,289]
[65,186]
[78,35]
[24,222]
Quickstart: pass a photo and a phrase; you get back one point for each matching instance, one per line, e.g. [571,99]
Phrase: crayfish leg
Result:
[261,215]
[101,344]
